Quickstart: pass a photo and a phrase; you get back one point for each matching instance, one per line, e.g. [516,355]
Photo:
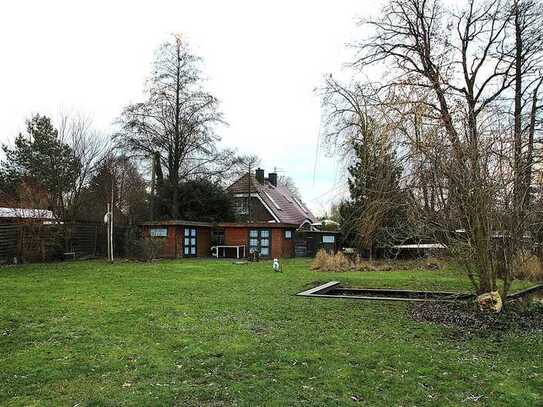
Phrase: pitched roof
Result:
[278,199]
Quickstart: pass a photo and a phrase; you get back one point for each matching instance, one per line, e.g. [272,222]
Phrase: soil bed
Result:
[516,315]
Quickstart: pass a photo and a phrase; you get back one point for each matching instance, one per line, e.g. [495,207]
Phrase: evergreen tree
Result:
[199,200]
[40,157]
[375,194]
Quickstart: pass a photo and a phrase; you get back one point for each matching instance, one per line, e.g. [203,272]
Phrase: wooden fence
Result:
[8,241]
[37,242]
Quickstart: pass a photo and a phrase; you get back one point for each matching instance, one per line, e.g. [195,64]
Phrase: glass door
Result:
[189,242]
[259,240]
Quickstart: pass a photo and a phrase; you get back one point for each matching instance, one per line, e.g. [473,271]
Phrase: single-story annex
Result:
[269,220]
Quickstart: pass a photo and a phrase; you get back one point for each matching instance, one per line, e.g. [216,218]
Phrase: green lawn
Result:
[210,333]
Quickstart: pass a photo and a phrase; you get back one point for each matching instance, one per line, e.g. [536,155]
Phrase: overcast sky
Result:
[263,60]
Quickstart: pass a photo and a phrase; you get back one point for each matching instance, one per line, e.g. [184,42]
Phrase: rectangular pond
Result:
[333,289]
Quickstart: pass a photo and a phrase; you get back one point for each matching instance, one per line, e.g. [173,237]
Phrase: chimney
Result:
[259,174]
[272,177]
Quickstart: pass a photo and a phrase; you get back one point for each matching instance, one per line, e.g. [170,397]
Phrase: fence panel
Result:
[38,242]
[83,239]
[8,242]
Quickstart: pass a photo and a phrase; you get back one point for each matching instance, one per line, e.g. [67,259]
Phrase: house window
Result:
[328,239]
[288,234]
[217,237]
[241,206]
[259,240]
[159,232]
[189,242]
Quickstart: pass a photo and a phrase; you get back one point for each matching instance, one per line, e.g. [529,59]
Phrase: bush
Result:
[147,249]
[325,261]
[527,267]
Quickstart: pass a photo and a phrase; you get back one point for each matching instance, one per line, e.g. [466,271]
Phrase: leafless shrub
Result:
[147,249]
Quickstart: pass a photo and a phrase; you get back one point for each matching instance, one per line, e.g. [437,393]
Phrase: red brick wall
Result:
[233,236]
[288,246]
[169,246]
[173,245]
[236,236]
[168,249]
[276,243]
[280,247]
[203,241]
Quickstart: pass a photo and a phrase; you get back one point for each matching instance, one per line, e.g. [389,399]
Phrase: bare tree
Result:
[117,179]
[88,147]
[526,53]
[176,120]
[361,134]
[450,77]
[290,184]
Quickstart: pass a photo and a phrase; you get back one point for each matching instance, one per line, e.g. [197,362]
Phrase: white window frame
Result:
[329,239]
[158,231]
[256,236]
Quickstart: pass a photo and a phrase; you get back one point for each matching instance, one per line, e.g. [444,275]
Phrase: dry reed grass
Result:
[528,268]
[339,262]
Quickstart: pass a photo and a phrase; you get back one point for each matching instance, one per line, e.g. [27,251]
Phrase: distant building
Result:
[270,220]
[260,199]
[25,215]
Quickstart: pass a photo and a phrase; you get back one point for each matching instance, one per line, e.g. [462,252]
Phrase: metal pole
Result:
[153,181]
[108,214]
[249,200]
[111,217]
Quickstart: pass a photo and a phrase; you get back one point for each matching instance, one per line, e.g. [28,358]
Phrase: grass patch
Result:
[210,333]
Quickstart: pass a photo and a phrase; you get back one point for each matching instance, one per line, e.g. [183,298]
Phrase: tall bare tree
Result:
[526,53]
[361,134]
[177,120]
[88,147]
[451,76]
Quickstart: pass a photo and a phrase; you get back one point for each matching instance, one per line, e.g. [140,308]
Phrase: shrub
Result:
[147,249]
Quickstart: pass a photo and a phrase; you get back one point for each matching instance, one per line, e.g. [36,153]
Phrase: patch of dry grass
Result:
[325,261]
[528,268]
[339,262]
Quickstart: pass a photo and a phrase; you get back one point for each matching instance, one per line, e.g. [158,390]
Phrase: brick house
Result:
[269,219]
